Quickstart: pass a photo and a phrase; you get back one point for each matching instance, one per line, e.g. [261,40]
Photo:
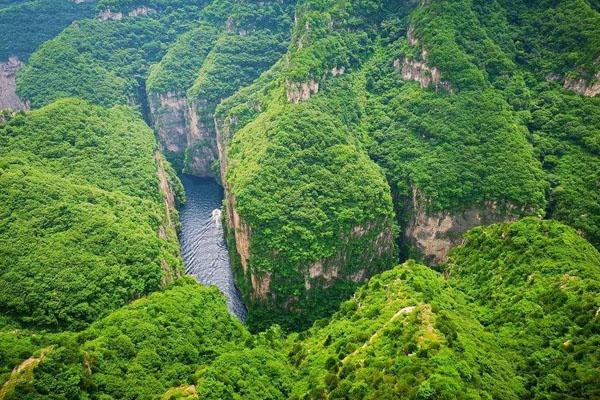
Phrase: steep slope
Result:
[24,25]
[85,228]
[409,332]
[105,60]
[434,116]
[141,350]
[343,72]
[234,43]
[537,283]
[559,43]
[405,334]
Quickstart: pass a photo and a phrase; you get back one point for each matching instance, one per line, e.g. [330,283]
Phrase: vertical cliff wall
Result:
[230,48]
[8,95]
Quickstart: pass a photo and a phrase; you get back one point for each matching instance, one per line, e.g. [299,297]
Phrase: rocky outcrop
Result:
[8,95]
[261,285]
[241,232]
[380,245]
[301,91]
[167,230]
[108,15]
[185,132]
[136,12]
[584,87]
[418,70]
[201,153]
[434,234]
[168,112]
[335,71]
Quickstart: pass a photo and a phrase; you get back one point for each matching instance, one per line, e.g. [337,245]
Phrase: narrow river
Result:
[202,240]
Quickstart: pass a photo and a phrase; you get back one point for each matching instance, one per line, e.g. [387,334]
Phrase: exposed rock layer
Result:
[167,230]
[108,15]
[419,71]
[301,91]
[434,234]
[584,87]
[8,95]
[184,132]
[168,113]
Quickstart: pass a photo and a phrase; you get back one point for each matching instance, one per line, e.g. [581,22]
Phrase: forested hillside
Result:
[408,333]
[26,24]
[411,198]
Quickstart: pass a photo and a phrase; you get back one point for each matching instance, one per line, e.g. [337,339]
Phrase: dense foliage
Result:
[25,25]
[80,213]
[104,62]
[537,283]
[141,350]
[304,188]
[335,118]
[406,335]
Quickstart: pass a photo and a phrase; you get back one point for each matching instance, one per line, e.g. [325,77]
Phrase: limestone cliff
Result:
[108,15]
[8,95]
[301,91]
[584,87]
[167,231]
[183,133]
[433,234]
[201,153]
[417,69]
[168,112]
[362,251]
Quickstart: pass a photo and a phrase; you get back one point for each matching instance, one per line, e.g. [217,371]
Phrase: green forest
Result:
[410,197]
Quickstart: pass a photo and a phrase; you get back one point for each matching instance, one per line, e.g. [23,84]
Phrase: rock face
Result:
[301,91]
[184,133]
[589,88]
[167,230]
[419,71]
[201,153]
[584,87]
[8,95]
[168,113]
[108,15]
[325,272]
[434,234]
[364,251]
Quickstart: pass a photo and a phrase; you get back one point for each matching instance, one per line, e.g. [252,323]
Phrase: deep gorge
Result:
[385,199]
[202,240]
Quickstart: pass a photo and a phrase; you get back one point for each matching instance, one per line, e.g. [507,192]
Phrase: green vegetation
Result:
[141,350]
[179,67]
[25,25]
[405,334]
[537,283]
[336,120]
[525,327]
[80,213]
[279,167]
[104,62]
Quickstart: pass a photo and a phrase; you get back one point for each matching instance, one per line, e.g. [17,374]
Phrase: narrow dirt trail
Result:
[375,335]
[26,367]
